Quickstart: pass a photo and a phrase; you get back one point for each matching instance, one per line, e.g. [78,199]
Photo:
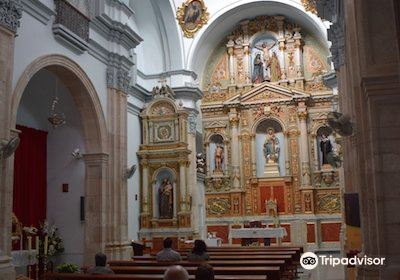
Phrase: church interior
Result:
[266,130]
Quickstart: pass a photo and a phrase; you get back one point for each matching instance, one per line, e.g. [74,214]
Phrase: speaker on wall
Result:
[82,208]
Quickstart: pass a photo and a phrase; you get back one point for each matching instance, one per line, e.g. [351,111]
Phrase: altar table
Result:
[277,233]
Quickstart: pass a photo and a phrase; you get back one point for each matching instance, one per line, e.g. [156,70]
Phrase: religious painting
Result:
[166,199]
[192,15]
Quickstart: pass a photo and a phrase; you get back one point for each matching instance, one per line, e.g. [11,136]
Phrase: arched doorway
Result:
[84,98]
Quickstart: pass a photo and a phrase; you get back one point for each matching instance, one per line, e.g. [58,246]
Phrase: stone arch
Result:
[95,134]
[273,118]
[80,88]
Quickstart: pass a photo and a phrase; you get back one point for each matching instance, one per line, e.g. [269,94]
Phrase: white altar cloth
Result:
[257,233]
[23,257]
[213,242]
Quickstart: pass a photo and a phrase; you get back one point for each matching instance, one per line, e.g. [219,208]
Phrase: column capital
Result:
[95,158]
[10,14]
[302,115]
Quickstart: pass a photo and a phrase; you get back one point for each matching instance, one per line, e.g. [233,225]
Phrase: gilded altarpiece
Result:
[267,87]
[164,167]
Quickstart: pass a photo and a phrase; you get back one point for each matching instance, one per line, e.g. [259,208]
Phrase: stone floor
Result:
[323,272]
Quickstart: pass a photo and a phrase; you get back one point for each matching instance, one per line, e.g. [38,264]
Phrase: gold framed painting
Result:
[192,15]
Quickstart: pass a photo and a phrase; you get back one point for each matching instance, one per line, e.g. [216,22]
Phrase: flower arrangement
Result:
[67,268]
[55,244]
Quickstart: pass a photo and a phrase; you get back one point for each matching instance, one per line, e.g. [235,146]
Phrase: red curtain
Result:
[30,177]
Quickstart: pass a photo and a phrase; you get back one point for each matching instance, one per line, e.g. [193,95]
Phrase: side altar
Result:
[165,165]
[266,136]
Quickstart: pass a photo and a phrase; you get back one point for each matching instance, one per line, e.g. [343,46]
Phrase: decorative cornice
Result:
[167,74]
[69,38]
[192,93]
[115,31]
[133,109]
[330,79]
[140,92]
[10,14]
[38,10]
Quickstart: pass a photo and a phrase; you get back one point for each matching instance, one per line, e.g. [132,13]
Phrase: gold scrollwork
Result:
[192,15]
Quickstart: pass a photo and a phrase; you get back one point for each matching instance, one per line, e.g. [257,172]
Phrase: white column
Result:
[145,189]
[231,61]
[226,164]
[298,56]
[287,159]
[208,157]
[182,183]
[234,120]
[304,151]
[282,46]
[253,155]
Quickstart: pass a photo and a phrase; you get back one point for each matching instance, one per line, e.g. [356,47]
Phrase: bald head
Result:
[176,272]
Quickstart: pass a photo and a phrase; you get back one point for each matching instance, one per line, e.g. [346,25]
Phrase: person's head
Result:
[167,243]
[100,259]
[199,247]
[176,272]
[205,272]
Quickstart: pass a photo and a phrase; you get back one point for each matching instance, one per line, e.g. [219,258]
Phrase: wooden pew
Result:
[75,276]
[271,272]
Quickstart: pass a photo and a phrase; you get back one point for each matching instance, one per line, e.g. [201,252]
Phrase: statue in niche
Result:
[165,199]
[326,148]
[275,68]
[271,147]
[219,157]
[265,63]
[258,70]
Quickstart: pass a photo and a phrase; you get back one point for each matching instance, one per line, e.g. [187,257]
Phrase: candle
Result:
[37,245]
[29,243]
[46,244]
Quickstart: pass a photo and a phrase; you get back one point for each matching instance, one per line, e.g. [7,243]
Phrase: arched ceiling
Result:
[222,22]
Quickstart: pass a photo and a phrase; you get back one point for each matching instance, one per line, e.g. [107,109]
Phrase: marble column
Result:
[9,22]
[253,155]
[234,120]
[298,53]
[208,157]
[182,184]
[282,46]
[230,46]
[287,158]
[145,186]
[246,50]
[304,150]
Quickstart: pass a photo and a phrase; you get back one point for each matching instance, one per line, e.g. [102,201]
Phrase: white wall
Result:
[134,140]
[63,209]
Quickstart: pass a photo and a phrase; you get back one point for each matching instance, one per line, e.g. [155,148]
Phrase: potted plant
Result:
[67,268]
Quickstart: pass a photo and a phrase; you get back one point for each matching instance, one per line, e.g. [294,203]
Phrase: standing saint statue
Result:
[166,200]
[258,70]
[275,68]
[271,147]
[219,157]
[326,148]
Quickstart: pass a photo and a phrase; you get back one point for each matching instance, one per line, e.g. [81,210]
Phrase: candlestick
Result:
[29,243]
[46,244]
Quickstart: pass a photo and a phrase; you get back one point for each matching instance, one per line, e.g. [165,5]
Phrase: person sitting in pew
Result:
[204,272]
[100,268]
[199,252]
[176,272]
[168,254]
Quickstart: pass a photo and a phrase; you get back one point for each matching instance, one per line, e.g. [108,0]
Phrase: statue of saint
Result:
[271,147]
[219,157]
[165,199]
[275,68]
[258,71]
[326,148]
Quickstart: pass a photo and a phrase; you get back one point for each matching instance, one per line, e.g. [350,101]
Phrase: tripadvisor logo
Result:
[309,261]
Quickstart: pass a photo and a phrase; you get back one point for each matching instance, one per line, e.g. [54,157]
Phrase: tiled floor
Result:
[323,272]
